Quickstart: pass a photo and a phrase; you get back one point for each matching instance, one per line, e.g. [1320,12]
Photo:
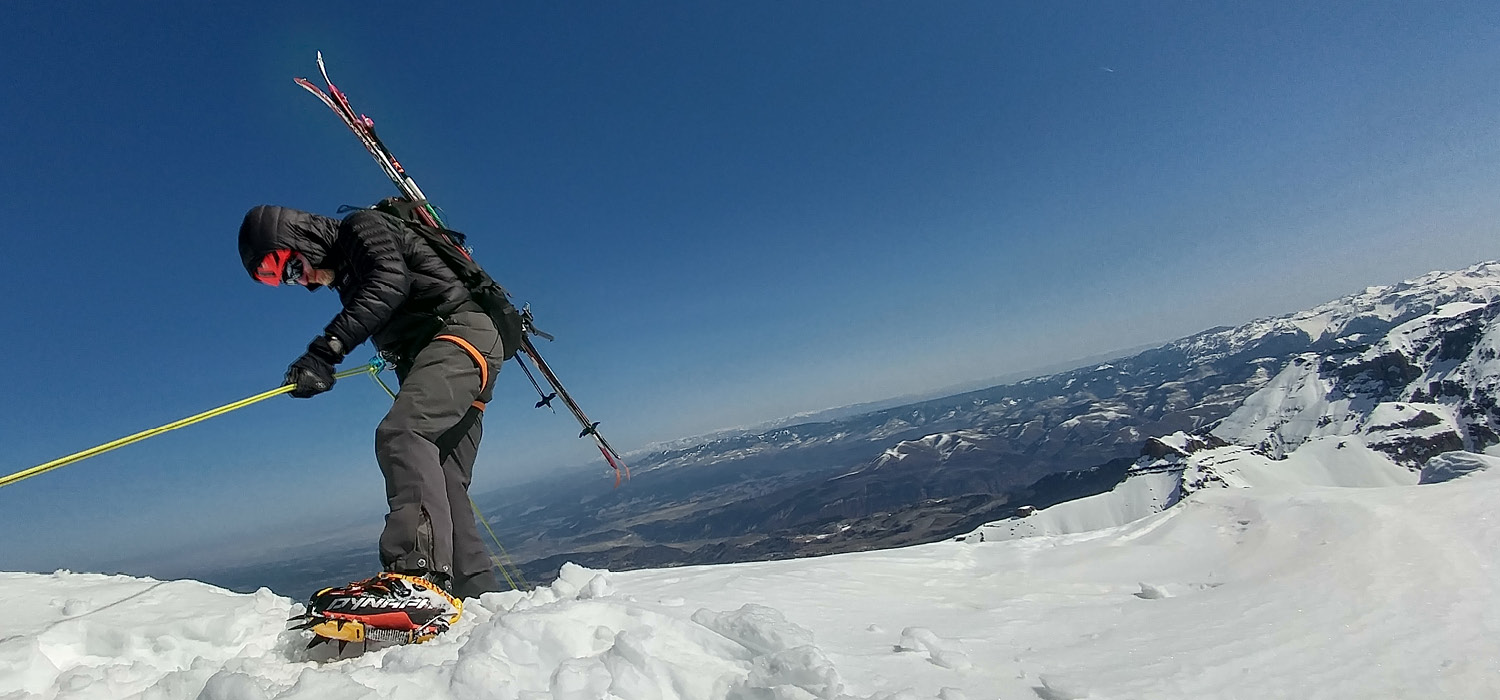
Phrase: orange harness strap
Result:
[484,366]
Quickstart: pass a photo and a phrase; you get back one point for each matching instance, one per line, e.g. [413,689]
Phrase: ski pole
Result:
[144,434]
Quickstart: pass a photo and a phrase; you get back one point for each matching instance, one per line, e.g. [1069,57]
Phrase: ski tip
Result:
[324,70]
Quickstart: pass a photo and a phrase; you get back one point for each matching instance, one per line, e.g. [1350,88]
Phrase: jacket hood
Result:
[268,227]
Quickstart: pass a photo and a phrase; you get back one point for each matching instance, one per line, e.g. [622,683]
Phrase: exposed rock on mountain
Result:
[1426,388]
[1450,466]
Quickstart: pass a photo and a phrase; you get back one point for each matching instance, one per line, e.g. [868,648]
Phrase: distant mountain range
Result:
[1409,366]
[1376,405]
[859,409]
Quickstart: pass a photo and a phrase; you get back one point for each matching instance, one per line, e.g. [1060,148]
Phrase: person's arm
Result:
[374,255]
[375,261]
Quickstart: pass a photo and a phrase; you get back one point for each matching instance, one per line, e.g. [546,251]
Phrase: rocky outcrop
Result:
[1177,445]
[1425,388]
[1452,465]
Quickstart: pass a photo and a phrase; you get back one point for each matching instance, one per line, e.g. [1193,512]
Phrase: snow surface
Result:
[1281,591]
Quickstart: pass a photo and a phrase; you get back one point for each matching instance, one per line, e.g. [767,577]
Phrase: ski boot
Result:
[389,608]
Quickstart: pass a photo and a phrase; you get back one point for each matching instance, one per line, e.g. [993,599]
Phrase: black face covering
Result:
[294,270]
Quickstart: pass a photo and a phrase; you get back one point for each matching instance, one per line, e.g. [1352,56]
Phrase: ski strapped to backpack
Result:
[420,216]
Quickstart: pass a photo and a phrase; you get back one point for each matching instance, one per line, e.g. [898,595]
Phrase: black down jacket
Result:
[396,291]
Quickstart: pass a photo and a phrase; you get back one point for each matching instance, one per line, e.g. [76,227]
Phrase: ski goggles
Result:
[281,267]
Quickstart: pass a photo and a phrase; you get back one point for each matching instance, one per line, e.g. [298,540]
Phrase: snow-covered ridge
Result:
[1416,398]
[1429,305]
[1371,311]
[1365,415]
[939,446]
[1426,387]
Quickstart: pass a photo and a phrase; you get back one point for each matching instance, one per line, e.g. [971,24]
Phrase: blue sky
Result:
[726,212]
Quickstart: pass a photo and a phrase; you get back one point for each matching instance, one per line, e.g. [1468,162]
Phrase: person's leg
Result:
[440,388]
[472,570]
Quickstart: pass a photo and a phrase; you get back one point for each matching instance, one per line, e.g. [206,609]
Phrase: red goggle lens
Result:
[281,267]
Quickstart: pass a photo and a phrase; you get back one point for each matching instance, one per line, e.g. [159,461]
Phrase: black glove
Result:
[313,372]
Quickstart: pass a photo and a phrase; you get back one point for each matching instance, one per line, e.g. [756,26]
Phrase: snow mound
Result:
[1324,461]
[115,637]
[938,651]
[1135,498]
[1452,465]
[1153,486]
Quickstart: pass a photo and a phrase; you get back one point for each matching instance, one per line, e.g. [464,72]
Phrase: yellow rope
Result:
[504,559]
[372,369]
[131,439]
[382,384]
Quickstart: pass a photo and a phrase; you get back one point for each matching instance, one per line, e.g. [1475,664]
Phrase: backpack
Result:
[483,289]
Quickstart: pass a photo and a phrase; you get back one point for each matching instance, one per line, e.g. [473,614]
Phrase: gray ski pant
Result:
[426,447]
